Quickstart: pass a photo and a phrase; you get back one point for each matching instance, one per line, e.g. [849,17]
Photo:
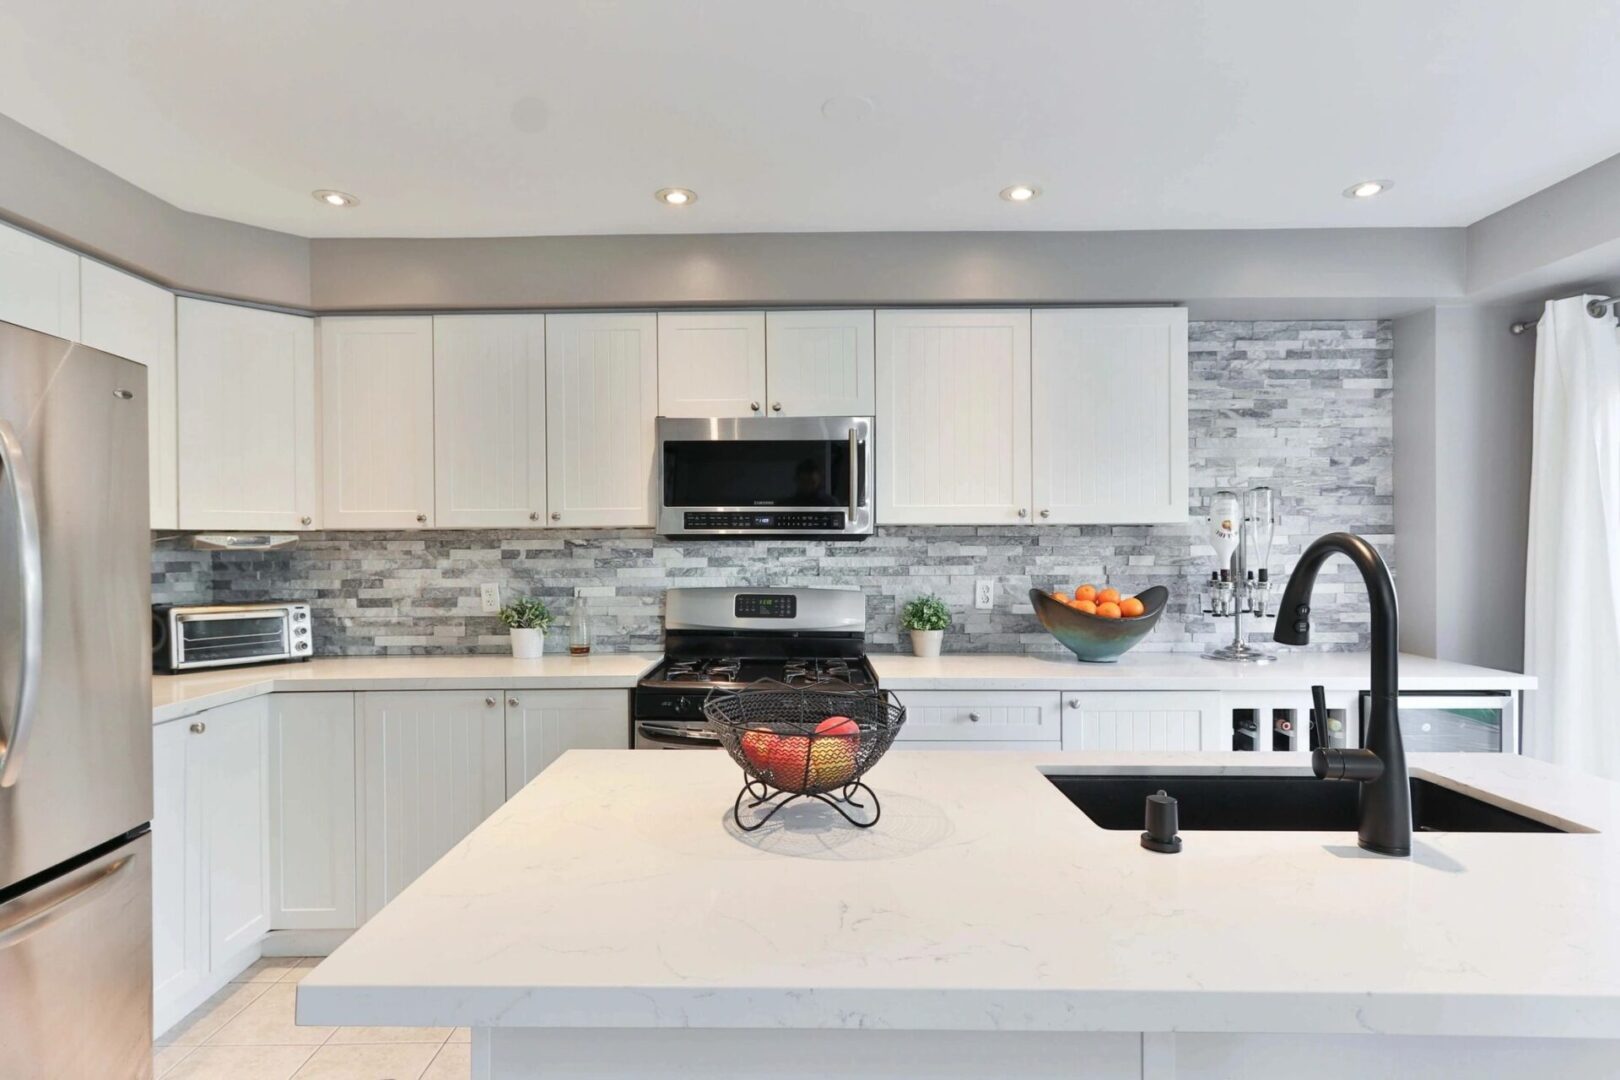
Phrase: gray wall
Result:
[1305,407]
[1462,481]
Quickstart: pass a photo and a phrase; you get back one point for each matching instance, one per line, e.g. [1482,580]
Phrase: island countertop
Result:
[613,892]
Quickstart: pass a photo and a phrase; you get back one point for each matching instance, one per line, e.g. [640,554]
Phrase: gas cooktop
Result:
[732,673]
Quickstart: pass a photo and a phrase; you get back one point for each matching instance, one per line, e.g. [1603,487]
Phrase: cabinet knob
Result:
[421,519]
[973,716]
[198,728]
[556,515]
[754,405]
[776,406]
[1074,703]
[490,702]
[306,520]
[1022,512]
[534,515]
[1046,513]
[512,701]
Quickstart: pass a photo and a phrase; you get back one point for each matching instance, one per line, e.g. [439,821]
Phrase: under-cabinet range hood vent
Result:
[243,541]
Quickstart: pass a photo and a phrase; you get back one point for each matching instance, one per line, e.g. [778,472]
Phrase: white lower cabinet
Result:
[1143,720]
[210,863]
[314,867]
[981,720]
[433,766]
[541,724]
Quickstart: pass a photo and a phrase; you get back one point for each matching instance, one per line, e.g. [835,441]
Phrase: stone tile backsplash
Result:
[1302,406]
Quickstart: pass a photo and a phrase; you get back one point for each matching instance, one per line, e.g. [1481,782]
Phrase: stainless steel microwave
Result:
[765,476]
[188,637]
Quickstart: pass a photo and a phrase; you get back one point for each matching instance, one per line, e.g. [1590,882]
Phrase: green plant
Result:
[925,613]
[528,613]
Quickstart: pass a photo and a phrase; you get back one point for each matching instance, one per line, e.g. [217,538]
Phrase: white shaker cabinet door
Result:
[314,869]
[247,438]
[377,422]
[179,918]
[820,363]
[711,363]
[1143,720]
[433,768]
[1110,415]
[542,724]
[489,420]
[236,827]
[953,417]
[601,406]
[39,283]
[123,315]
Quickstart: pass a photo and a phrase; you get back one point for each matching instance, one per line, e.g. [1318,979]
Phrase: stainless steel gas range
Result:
[720,640]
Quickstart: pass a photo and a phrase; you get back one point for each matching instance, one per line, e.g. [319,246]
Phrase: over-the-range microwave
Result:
[765,476]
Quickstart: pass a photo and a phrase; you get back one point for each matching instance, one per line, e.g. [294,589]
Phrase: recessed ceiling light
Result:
[1366,189]
[334,198]
[1020,192]
[675,196]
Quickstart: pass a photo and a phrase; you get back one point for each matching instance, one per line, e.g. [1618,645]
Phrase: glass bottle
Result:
[579,627]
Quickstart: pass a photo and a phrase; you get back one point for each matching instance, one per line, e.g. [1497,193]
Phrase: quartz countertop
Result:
[613,892]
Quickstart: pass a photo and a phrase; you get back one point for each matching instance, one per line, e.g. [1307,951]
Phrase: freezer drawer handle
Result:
[22,918]
[31,587]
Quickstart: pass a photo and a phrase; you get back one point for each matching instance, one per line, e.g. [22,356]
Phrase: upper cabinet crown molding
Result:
[711,363]
[1124,460]
[247,430]
[601,407]
[39,284]
[820,363]
[126,316]
[376,385]
[953,417]
[489,420]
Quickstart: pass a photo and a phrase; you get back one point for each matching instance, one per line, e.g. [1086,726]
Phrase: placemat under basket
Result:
[770,729]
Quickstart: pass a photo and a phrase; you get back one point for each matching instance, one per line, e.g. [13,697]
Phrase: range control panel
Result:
[765,606]
[832,521]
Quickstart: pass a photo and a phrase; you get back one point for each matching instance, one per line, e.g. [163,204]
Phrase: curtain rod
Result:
[1596,307]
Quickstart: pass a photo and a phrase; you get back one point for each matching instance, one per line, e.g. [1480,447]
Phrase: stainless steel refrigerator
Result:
[75,712]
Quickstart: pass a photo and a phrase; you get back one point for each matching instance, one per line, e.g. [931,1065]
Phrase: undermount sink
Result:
[1276,803]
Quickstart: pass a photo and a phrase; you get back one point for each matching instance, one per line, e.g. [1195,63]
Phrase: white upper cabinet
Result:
[247,438]
[377,422]
[711,363]
[820,363]
[1110,415]
[39,284]
[953,417]
[489,420]
[128,317]
[601,405]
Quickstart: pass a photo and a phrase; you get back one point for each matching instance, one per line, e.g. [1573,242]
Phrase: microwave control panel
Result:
[819,520]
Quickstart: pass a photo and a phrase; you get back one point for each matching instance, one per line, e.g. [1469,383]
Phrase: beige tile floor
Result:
[246,1032]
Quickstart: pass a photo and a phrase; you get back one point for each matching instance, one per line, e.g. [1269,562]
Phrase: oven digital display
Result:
[764,606]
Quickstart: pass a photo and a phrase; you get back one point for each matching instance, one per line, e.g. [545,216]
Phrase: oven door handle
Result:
[672,735]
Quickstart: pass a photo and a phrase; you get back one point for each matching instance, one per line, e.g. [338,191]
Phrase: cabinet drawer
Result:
[1010,716]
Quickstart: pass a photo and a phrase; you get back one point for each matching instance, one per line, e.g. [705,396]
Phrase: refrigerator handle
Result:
[31,582]
[25,916]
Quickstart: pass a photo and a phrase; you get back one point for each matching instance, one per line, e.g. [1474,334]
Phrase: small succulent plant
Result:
[925,613]
[528,613]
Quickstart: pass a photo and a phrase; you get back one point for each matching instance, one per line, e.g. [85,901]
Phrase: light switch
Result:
[489,598]
[984,593]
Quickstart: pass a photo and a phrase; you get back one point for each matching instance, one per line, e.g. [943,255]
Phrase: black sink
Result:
[1285,803]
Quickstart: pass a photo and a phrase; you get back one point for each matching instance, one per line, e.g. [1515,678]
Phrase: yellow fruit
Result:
[832,761]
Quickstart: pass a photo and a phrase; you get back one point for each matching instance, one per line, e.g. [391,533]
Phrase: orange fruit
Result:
[1131,607]
[1108,596]
[1084,605]
[1086,592]
[1061,597]
[1108,610]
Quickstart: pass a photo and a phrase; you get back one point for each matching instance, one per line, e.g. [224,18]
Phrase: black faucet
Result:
[1380,767]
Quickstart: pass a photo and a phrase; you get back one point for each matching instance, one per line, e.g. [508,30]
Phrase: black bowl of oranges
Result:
[1099,625]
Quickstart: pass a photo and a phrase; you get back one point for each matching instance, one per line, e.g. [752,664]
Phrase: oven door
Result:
[674,735]
[751,476]
[221,638]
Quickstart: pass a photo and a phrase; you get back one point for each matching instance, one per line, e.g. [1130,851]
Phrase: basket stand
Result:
[763,794]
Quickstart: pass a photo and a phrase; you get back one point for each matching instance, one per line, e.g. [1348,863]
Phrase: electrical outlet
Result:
[489,598]
[984,593]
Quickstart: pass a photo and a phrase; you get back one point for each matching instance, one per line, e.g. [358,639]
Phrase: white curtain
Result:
[1572,586]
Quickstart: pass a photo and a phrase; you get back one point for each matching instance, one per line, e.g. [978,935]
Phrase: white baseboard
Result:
[303,942]
[169,1010]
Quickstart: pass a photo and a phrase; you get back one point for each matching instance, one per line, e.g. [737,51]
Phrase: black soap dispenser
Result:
[1162,822]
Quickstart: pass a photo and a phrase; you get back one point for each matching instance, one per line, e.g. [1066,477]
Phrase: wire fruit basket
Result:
[800,743]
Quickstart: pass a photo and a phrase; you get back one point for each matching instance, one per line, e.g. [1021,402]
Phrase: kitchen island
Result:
[611,921]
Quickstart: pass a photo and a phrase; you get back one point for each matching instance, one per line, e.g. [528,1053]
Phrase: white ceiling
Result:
[507,117]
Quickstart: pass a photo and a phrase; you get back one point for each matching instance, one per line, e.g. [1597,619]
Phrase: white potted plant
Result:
[528,619]
[926,617]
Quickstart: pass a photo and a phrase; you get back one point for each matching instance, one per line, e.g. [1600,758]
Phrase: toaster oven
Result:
[189,637]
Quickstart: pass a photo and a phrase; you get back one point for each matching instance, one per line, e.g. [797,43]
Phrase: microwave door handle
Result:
[31,587]
[854,474]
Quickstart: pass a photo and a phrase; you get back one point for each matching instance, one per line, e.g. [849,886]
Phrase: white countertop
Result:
[613,893]
[176,696]
[1294,670]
